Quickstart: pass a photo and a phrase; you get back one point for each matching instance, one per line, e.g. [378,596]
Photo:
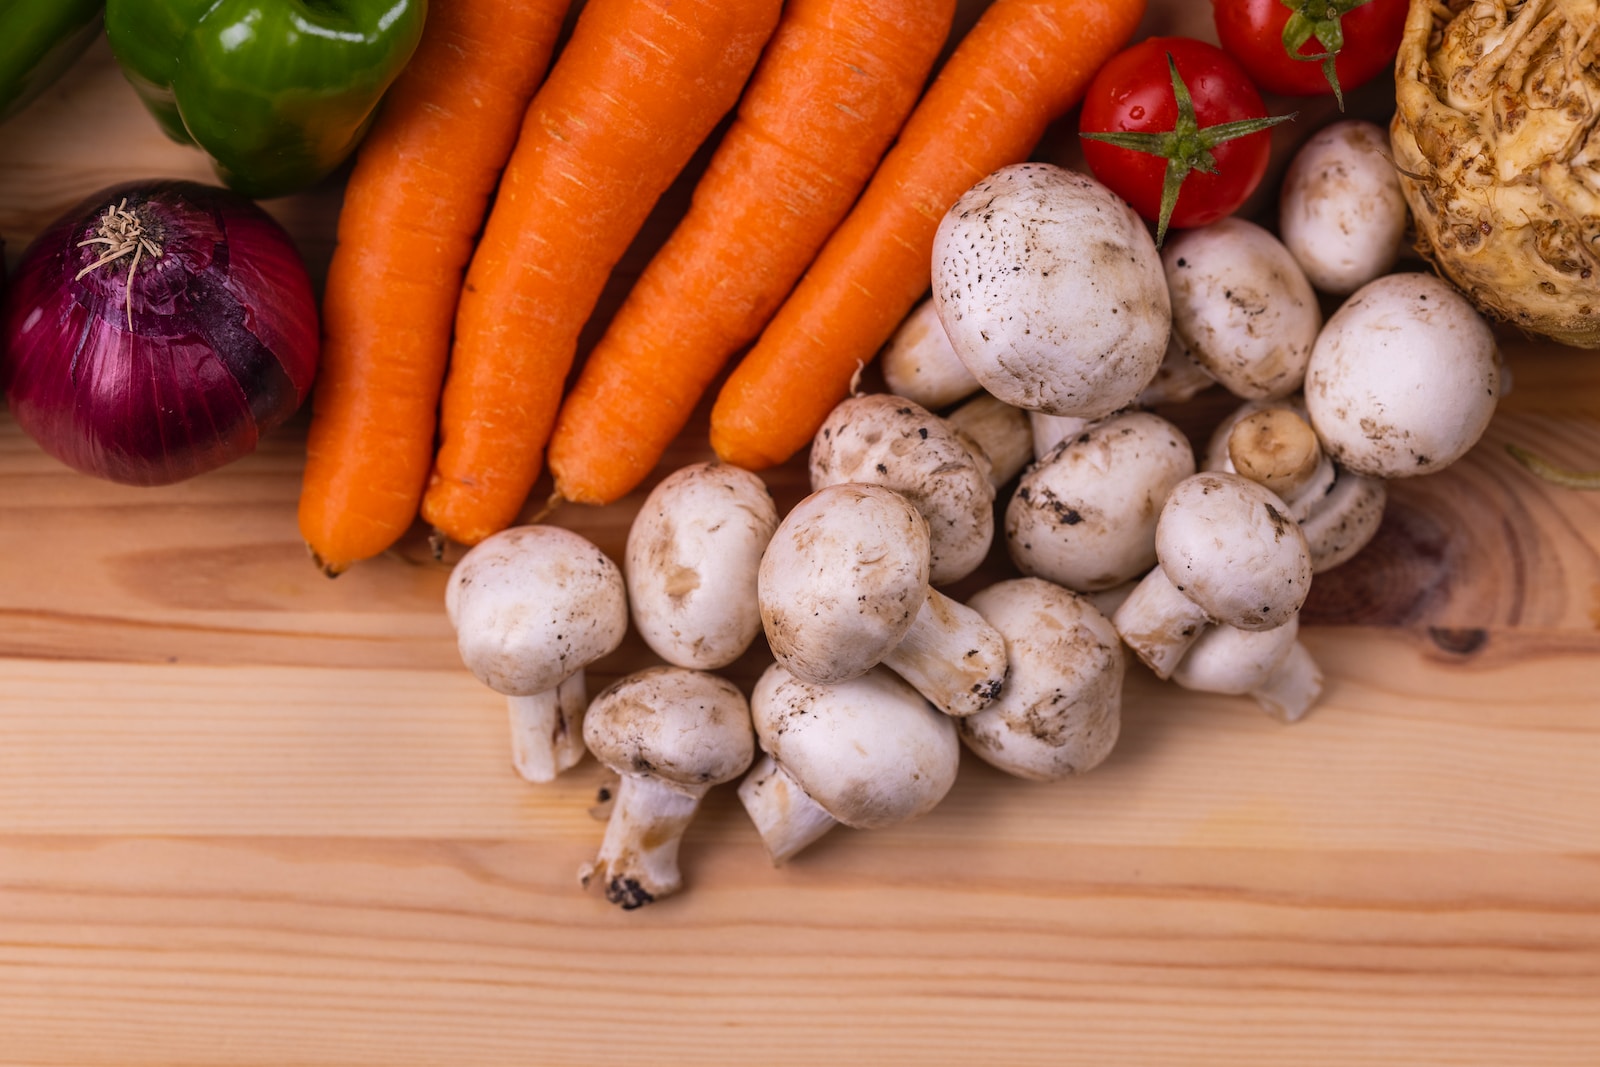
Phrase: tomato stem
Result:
[1186,147]
[1318,19]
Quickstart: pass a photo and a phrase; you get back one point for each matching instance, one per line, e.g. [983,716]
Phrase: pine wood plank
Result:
[306,951]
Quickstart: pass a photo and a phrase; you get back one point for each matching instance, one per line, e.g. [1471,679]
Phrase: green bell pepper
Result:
[38,40]
[277,92]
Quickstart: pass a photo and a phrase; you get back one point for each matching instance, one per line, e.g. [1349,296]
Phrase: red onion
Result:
[155,331]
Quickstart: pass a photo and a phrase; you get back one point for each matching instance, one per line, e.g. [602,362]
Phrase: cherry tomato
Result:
[1134,93]
[1364,35]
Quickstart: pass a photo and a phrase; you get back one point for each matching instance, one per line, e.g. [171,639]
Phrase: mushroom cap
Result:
[1404,378]
[871,751]
[919,364]
[1085,515]
[1229,545]
[1347,521]
[691,561]
[1342,214]
[684,727]
[891,441]
[1050,290]
[532,605]
[842,580]
[1242,307]
[1061,708]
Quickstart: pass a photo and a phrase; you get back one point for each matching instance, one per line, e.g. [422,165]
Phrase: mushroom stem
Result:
[783,812]
[547,730]
[1002,433]
[1294,685]
[951,656]
[1272,666]
[1159,623]
[1276,448]
[638,858]
[1051,430]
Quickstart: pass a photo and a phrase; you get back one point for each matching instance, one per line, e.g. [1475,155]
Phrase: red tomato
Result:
[1252,32]
[1134,93]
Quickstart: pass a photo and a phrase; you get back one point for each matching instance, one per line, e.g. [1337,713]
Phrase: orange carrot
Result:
[832,90]
[413,206]
[1022,65]
[641,84]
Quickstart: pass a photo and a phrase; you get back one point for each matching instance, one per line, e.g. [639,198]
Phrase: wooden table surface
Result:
[249,815]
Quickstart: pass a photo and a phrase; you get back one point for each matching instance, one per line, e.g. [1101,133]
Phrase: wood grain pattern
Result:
[249,815]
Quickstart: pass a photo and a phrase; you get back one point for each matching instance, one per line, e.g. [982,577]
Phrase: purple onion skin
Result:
[223,347]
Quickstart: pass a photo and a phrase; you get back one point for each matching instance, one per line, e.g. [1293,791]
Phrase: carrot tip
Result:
[437,539]
[332,570]
[855,379]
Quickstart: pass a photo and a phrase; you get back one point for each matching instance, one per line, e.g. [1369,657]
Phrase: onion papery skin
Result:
[223,345]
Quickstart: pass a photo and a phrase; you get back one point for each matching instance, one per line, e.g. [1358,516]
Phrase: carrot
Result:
[833,88]
[413,206]
[637,89]
[1023,64]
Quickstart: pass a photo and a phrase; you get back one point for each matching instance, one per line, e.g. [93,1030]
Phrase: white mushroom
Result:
[844,586]
[1050,430]
[894,442]
[1085,515]
[1274,446]
[691,561]
[919,364]
[1227,552]
[1062,706]
[670,734]
[1272,666]
[1003,433]
[533,606]
[1404,378]
[1272,443]
[1050,291]
[869,752]
[1242,307]
[1342,214]
[1179,378]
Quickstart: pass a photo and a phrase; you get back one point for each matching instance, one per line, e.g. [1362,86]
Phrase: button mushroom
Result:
[1227,552]
[1404,378]
[1272,666]
[919,364]
[533,606]
[1084,516]
[1272,443]
[1051,292]
[1242,307]
[1179,378]
[691,561]
[867,753]
[1003,433]
[1062,706]
[1342,214]
[670,734]
[844,585]
[1050,430]
[891,441]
